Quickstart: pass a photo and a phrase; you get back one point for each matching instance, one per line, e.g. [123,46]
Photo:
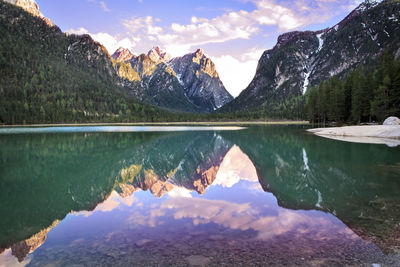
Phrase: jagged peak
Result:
[143,57]
[199,52]
[157,54]
[122,54]
[121,49]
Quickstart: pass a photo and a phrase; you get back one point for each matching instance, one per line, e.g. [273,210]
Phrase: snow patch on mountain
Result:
[179,77]
[321,41]
[306,82]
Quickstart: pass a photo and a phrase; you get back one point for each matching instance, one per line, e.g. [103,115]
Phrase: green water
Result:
[213,196]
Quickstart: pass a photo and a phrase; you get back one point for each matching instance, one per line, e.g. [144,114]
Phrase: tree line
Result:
[362,96]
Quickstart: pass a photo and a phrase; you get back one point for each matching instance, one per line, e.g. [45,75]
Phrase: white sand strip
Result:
[376,134]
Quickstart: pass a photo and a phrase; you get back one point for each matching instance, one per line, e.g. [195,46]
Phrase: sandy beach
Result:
[371,134]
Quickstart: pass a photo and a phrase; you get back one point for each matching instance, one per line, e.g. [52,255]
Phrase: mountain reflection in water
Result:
[196,197]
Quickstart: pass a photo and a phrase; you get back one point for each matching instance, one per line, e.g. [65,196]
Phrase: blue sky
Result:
[234,33]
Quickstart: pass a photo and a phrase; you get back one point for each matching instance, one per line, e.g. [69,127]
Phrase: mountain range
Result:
[89,84]
[188,83]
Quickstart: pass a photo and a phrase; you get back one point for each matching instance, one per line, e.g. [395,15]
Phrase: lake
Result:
[185,196]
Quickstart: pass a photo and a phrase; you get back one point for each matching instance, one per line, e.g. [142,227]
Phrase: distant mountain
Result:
[188,83]
[300,60]
[200,80]
[122,54]
[157,54]
[159,84]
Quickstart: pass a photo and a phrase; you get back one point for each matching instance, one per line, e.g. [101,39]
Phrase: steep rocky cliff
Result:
[200,80]
[300,60]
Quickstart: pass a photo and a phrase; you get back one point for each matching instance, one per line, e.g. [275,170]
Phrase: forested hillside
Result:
[47,76]
[365,95]
[302,59]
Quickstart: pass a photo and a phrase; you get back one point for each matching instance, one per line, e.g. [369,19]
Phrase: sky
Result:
[233,33]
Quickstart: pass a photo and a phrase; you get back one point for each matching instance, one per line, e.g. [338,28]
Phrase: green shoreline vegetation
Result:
[364,95]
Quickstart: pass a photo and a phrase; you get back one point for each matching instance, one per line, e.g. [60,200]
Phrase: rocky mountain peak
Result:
[122,55]
[199,53]
[199,77]
[157,54]
[206,64]
[32,7]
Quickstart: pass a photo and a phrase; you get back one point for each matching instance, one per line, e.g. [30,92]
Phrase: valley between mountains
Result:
[48,76]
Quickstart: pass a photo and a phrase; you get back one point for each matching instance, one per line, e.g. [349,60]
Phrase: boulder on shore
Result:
[392,121]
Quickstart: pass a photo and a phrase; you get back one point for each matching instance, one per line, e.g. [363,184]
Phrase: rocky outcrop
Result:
[197,74]
[126,72]
[304,59]
[122,55]
[392,121]
[32,7]
[157,55]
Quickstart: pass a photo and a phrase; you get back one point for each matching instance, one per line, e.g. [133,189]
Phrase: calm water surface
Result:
[207,196]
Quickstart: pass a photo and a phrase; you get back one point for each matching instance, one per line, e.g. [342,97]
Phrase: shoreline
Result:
[367,134]
[161,124]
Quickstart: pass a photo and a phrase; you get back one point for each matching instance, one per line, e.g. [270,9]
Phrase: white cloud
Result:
[78,31]
[143,24]
[243,216]
[237,73]
[104,6]
[101,4]
[236,166]
[110,42]
[179,192]
[270,13]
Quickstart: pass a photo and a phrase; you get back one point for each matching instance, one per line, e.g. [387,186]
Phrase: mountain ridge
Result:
[194,74]
[302,59]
